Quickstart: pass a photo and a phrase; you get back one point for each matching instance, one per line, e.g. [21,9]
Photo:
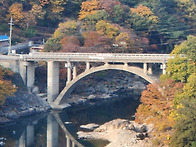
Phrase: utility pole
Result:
[10,40]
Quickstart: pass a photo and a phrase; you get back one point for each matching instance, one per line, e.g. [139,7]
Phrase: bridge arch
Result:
[65,93]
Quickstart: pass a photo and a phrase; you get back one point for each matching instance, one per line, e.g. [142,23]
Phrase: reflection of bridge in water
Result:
[27,138]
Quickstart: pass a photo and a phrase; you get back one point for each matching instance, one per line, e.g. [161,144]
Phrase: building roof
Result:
[4,38]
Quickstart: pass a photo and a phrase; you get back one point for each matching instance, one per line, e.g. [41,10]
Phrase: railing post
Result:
[145,68]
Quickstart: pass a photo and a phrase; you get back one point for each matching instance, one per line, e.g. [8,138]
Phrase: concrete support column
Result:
[30,135]
[52,131]
[87,65]
[23,71]
[150,68]
[30,75]
[15,66]
[106,64]
[53,80]
[22,140]
[73,144]
[68,72]
[68,142]
[125,64]
[74,71]
[164,68]
[145,68]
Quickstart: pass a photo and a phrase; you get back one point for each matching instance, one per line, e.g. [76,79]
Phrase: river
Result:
[58,128]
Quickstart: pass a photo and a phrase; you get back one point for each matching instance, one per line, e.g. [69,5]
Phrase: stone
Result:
[12,115]
[91,126]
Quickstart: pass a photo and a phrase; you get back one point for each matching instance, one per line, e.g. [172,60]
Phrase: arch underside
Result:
[65,93]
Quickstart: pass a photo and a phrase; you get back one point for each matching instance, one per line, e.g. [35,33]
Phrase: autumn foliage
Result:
[6,87]
[157,108]
[88,7]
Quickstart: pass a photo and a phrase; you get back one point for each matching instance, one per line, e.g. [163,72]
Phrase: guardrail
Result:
[93,57]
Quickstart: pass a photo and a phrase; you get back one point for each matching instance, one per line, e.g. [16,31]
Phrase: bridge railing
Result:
[96,55]
[91,57]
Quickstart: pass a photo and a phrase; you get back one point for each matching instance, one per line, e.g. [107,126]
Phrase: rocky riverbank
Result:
[19,105]
[119,132]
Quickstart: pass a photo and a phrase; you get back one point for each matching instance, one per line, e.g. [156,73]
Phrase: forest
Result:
[115,26]
[147,26]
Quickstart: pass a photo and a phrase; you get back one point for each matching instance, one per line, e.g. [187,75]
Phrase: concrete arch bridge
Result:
[25,65]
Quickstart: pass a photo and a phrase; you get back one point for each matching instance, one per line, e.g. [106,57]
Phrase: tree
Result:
[44,2]
[66,29]
[185,125]
[156,109]
[6,87]
[88,7]
[90,20]
[168,32]
[187,48]
[142,18]
[52,45]
[106,29]
[118,14]
[22,18]
[70,44]
[38,11]
[180,68]
[16,10]
[99,42]
[188,10]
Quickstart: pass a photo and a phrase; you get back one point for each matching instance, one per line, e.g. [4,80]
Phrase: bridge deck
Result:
[96,57]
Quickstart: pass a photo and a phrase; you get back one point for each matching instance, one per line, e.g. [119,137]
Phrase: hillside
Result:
[101,25]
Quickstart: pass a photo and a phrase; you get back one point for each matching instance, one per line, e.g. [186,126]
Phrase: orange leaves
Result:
[157,108]
[6,87]
[44,2]
[144,12]
[16,11]
[88,7]
[70,44]
[37,10]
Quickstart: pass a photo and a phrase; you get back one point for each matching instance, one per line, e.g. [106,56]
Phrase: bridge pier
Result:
[30,135]
[52,131]
[53,80]
[27,72]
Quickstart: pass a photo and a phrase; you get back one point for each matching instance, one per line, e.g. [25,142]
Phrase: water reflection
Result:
[54,122]
[50,130]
